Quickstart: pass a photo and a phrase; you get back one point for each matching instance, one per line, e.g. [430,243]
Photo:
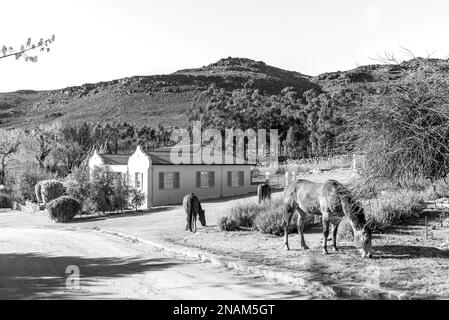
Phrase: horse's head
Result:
[362,239]
[202,217]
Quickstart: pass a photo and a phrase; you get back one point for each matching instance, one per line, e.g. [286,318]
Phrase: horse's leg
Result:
[194,222]
[300,224]
[334,235]
[187,221]
[325,234]
[191,221]
[288,213]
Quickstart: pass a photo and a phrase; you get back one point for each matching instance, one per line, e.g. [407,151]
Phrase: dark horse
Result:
[193,208]
[332,201]
[264,192]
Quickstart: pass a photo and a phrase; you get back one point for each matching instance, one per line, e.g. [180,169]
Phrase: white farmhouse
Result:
[165,183]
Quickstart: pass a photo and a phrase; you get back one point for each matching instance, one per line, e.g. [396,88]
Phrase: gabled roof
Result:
[115,159]
[162,157]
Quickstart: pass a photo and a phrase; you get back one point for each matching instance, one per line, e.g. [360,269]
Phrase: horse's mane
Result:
[349,203]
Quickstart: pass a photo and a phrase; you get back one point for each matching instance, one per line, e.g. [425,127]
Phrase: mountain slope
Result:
[140,100]
[167,99]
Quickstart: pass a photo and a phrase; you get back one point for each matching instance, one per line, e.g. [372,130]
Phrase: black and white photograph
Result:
[224,156]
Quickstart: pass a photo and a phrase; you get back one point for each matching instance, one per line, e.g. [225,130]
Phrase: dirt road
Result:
[34,262]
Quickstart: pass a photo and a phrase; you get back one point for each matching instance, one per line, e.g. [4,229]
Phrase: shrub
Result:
[51,189]
[88,206]
[227,224]
[108,190]
[404,132]
[5,201]
[136,198]
[266,217]
[27,181]
[81,177]
[63,209]
[387,203]
[120,195]
[241,216]
[73,189]
[271,220]
[391,207]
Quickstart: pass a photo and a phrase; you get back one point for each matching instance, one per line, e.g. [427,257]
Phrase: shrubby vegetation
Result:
[136,199]
[5,201]
[250,215]
[389,203]
[50,161]
[50,190]
[63,209]
[308,124]
[384,204]
[404,133]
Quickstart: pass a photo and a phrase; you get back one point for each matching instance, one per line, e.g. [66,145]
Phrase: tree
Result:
[10,141]
[73,144]
[102,188]
[40,142]
[248,108]
[42,45]
[326,125]
[404,132]
[137,198]
[121,194]
[313,105]
[295,143]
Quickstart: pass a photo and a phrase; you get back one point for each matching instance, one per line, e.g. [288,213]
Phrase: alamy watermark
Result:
[73,279]
[239,147]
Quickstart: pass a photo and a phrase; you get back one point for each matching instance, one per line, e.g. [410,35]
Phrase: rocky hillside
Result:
[167,99]
[164,99]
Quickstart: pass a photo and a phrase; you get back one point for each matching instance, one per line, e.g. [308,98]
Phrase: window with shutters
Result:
[138,180]
[235,178]
[205,179]
[169,180]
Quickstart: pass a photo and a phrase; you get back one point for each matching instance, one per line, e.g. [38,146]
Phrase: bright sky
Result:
[108,39]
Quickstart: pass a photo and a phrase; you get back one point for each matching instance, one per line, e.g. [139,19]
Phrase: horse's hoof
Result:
[287,248]
[335,249]
[325,252]
[305,248]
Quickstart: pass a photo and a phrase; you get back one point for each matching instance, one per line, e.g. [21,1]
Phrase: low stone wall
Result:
[31,207]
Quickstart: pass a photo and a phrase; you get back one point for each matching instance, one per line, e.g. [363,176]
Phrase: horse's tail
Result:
[192,208]
[189,210]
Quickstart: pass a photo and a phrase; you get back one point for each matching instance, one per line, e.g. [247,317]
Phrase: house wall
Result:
[95,161]
[187,179]
[234,191]
[141,164]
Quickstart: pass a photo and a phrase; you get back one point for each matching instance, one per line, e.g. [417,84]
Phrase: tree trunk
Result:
[2,171]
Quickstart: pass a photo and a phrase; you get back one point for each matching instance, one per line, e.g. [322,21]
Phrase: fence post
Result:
[286,179]
[267,177]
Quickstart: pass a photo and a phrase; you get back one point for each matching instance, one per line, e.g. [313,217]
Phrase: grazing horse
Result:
[332,201]
[193,208]
[264,192]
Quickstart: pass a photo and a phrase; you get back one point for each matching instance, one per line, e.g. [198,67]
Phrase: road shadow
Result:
[408,252]
[37,276]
